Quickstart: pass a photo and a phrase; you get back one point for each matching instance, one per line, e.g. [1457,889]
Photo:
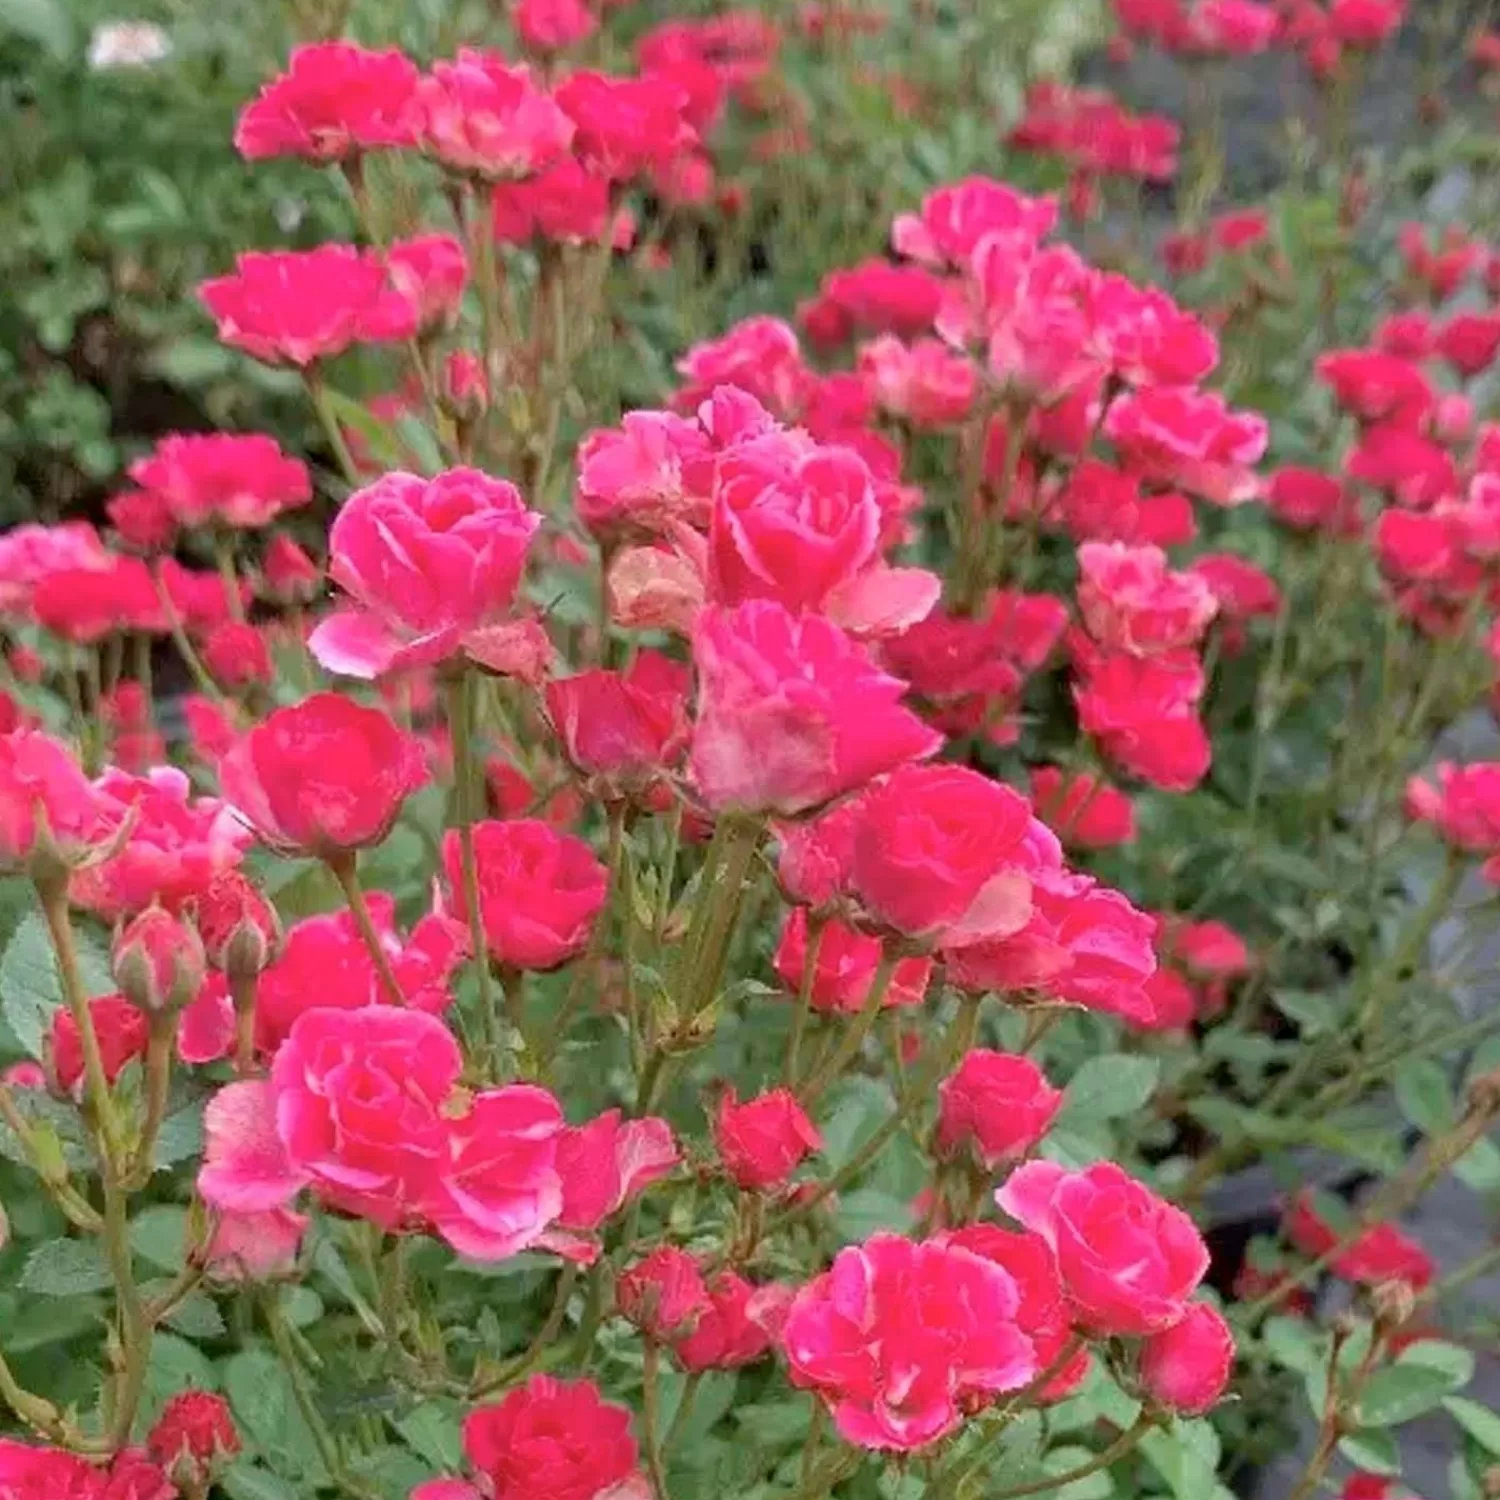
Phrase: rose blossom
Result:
[1132,601]
[662,1294]
[325,775]
[845,968]
[539,891]
[430,271]
[1082,809]
[299,306]
[945,855]
[998,1103]
[431,565]
[738,1326]
[791,712]
[479,114]
[762,1141]
[44,794]
[892,1380]
[223,478]
[335,100]
[120,1028]
[554,1439]
[1128,1260]
[1189,439]
[1186,1367]
[193,1438]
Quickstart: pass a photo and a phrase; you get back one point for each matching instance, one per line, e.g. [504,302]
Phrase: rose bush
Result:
[808,731]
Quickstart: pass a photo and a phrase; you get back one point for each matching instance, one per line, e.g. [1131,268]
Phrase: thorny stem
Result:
[949,1481]
[200,674]
[242,993]
[54,1176]
[567,1279]
[161,1043]
[317,391]
[134,1322]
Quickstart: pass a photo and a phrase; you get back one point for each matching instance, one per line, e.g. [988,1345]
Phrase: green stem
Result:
[651,1417]
[302,1394]
[460,698]
[161,1044]
[202,677]
[134,1324]
[49,1166]
[949,1480]
[345,871]
[54,899]
[858,1030]
[814,939]
[224,557]
[317,391]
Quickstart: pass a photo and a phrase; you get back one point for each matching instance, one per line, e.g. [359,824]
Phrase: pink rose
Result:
[792,712]
[431,565]
[539,891]
[325,775]
[737,1328]
[1186,1367]
[224,478]
[893,1381]
[480,115]
[945,855]
[603,1165]
[1132,601]
[998,1104]
[43,788]
[250,1246]
[1128,1261]
[335,100]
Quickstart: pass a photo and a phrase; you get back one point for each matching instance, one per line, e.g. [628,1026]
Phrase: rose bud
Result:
[158,962]
[663,1295]
[998,1104]
[240,929]
[762,1140]
[465,391]
[1186,1366]
[289,575]
[194,1437]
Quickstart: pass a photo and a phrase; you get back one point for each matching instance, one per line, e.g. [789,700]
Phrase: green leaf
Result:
[29,988]
[198,1317]
[1294,1343]
[1105,1088]
[1478,1421]
[1425,1094]
[42,21]
[1093,1486]
[1479,1167]
[159,1235]
[65,1268]
[1312,1010]
[857,1108]
[433,1434]
[176,1365]
[244,1481]
[1452,1360]
[867,1211]
[1374,1450]
[1400,1393]
[260,1392]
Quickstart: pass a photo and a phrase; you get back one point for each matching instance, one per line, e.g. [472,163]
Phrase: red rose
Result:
[1186,1367]
[737,1328]
[998,1104]
[121,1030]
[1082,809]
[1128,1260]
[237,656]
[1133,602]
[1376,387]
[228,479]
[623,728]
[539,891]
[41,784]
[845,966]
[325,775]
[663,1295]
[762,1140]
[551,1440]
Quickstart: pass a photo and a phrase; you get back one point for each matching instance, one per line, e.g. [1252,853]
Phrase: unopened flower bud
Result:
[158,962]
[193,1439]
[1489,1484]
[465,391]
[240,929]
[663,1295]
[1393,1303]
